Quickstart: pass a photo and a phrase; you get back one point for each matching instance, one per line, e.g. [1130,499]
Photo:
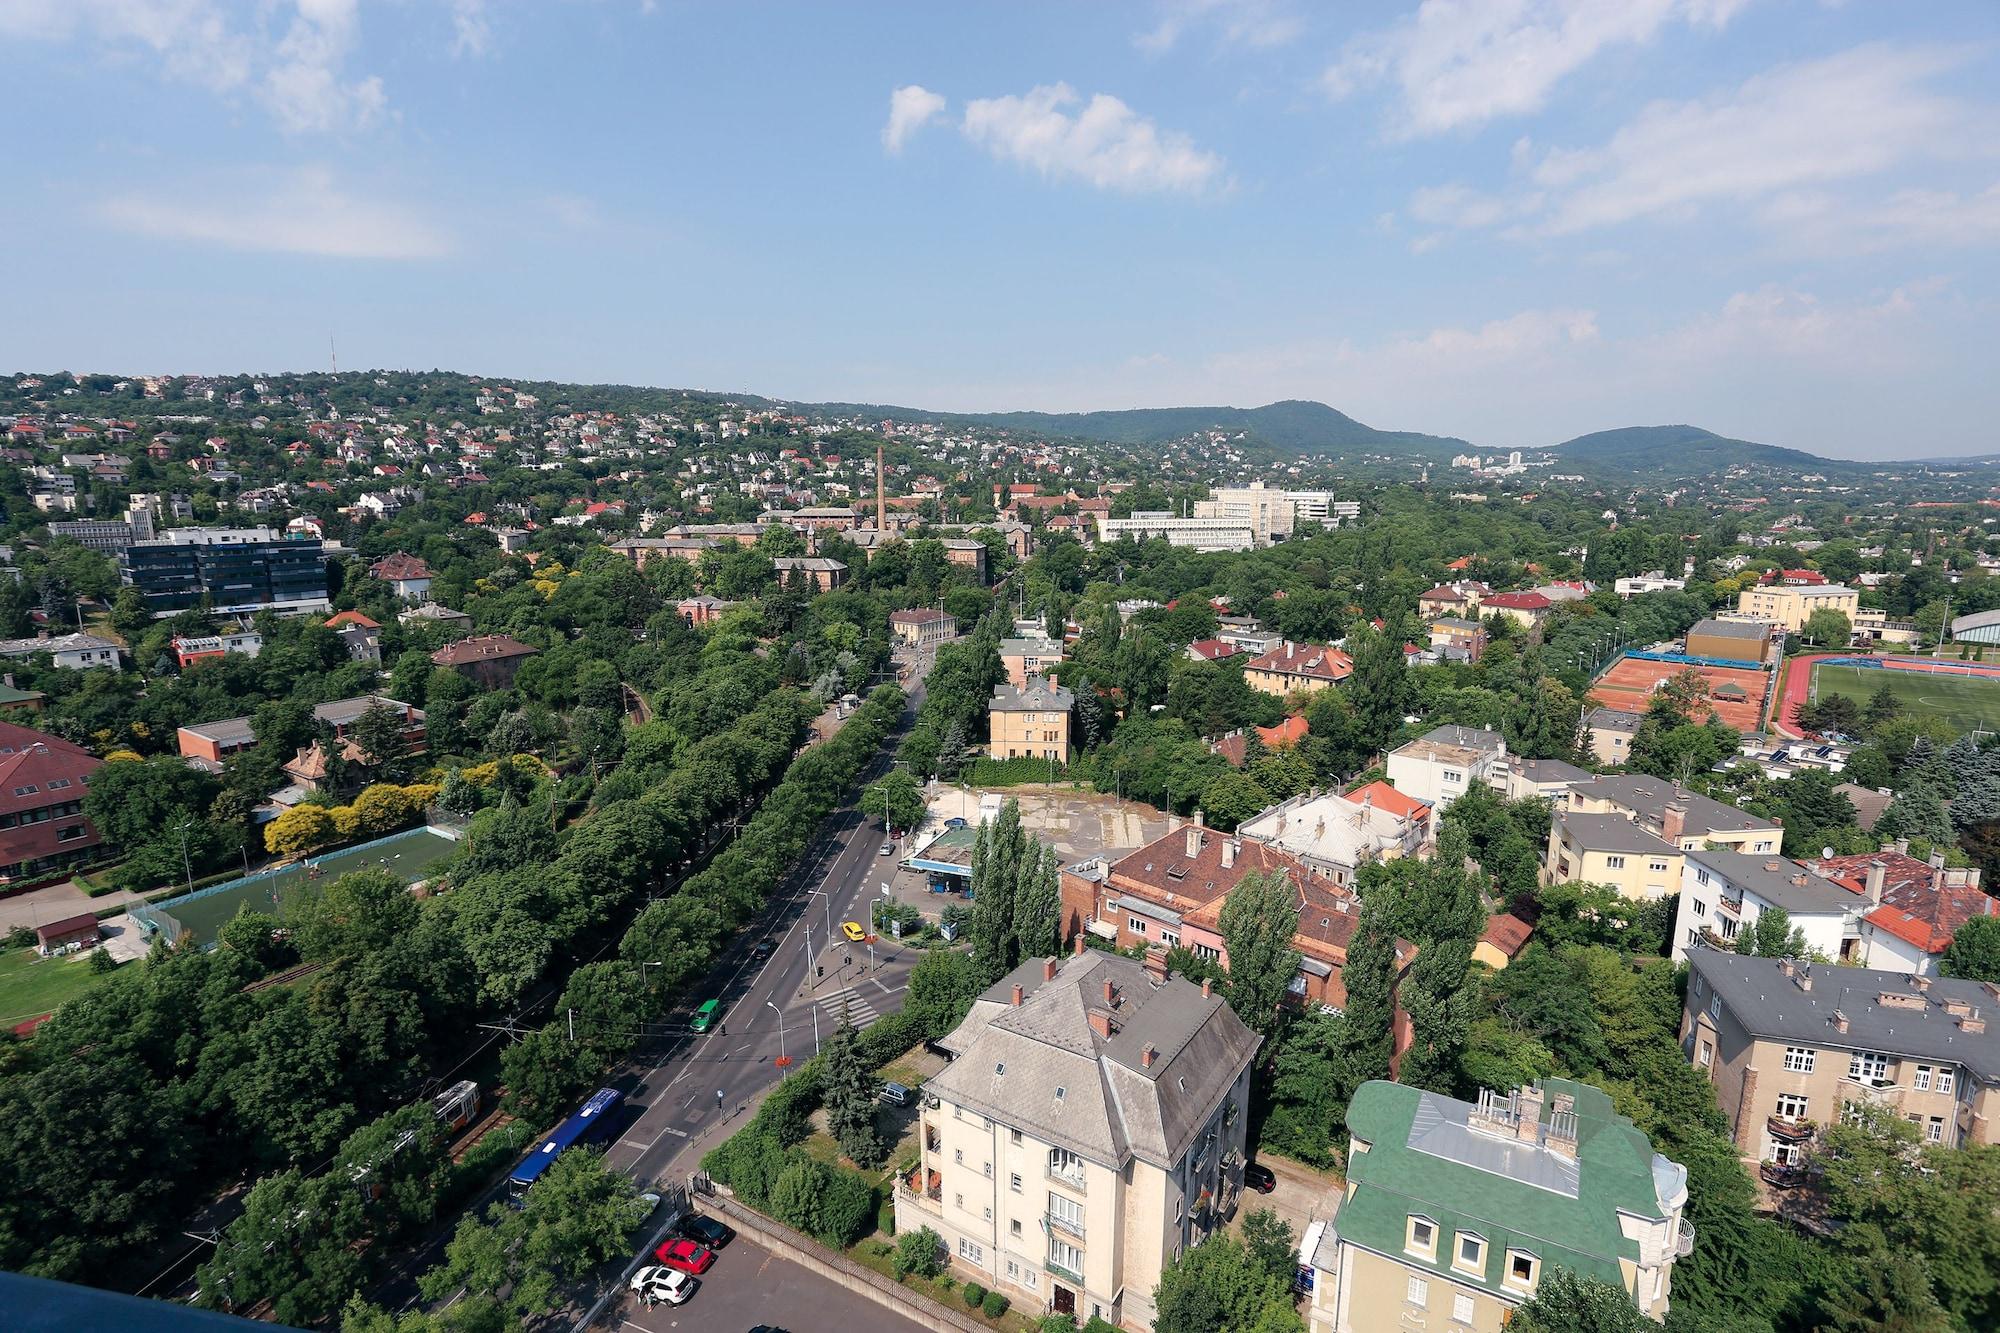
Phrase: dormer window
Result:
[1522,1269]
[1470,1253]
[1421,1237]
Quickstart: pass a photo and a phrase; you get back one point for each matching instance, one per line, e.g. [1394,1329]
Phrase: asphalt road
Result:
[748,1286]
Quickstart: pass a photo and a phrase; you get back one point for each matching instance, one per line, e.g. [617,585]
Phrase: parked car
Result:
[652,1202]
[687,1255]
[853,931]
[653,1284]
[705,1230]
[895,1094]
[1258,1177]
[888,849]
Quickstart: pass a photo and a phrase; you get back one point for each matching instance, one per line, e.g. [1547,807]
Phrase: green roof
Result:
[1424,1158]
[11,695]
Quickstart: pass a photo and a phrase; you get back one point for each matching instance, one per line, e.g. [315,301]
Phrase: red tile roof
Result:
[1918,905]
[1310,660]
[1506,932]
[1384,797]
[352,618]
[1516,601]
[1212,650]
[480,648]
[399,568]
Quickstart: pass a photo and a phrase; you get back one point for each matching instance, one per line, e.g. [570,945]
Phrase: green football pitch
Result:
[1967,703]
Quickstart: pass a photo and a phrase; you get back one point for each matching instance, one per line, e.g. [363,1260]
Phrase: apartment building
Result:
[1322,508]
[1609,731]
[1909,910]
[1088,1130]
[1022,658]
[922,626]
[1789,606]
[1335,834]
[1297,668]
[43,829]
[228,570]
[1029,722]
[1268,512]
[822,573]
[1443,764]
[72,652]
[1611,849]
[1724,893]
[1454,1209]
[1205,533]
[1671,812]
[1788,1045]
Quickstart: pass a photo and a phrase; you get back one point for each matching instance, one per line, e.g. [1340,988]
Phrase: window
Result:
[1707,1053]
[989,1214]
[1014,1269]
[1871,1067]
[1014,1137]
[1065,1255]
[1921,1080]
[1944,1079]
[969,1252]
[1700,909]
[1066,1165]
[1799,1059]
[1028,1278]
[989,1170]
[958,1201]
[1701,877]
[1066,1215]
[1461,1308]
[1614,862]
[1014,1181]
[1137,926]
[1418,1292]
[1791,1106]
[1014,1226]
[1520,1268]
[1421,1237]
[1764,845]
[1169,938]
[1471,1252]
[1934,1130]
[1658,867]
[957,1154]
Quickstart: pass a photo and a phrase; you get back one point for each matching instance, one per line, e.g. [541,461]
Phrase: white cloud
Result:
[1457,64]
[911,107]
[1106,143]
[300,76]
[1824,224]
[1257,24]
[303,212]
[471,30]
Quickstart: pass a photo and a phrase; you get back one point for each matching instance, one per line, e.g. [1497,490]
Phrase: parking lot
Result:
[749,1286]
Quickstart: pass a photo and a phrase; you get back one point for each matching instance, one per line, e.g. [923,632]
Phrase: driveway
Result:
[748,1286]
[1302,1194]
[39,907]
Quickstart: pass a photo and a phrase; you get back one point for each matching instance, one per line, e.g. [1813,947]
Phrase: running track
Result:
[1798,679]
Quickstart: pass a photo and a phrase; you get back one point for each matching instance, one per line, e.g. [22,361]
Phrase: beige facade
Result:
[1029,723]
[1608,849]
[1789,1047]
[1380,1292]
[1789,606]
[1089,1130]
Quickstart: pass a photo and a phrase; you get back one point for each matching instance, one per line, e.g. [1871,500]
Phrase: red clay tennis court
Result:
[1735,693]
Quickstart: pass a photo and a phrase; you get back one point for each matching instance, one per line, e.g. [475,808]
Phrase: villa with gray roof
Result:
[1789,1044]
[1089,1129]
[1029,722]
[1454,1210]
[1670,811]
[1610,849]
[1724,894]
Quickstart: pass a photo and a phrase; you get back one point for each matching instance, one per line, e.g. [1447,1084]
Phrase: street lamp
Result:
[822,893]
[186,865]
[783,1063]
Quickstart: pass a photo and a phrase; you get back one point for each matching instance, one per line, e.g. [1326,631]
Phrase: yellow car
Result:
[853,931]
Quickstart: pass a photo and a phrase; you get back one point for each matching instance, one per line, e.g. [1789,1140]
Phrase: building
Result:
[1443,764]
[1527,609]
[227,570]
[14,699]
[1979,627]
[1022,658]
[1656,580]
[1320,507]
[1207,533]
[407,576]
[361,636]
[1731,640]
[1029,721]
[1504,937]
[42,825]
[111,535]
[1268,512]
[1872,626]
[825,575]
[923,626]
[1789,605]
[1297,668]
[1458,640]
[1724,893]
[1461,597]
[1908,910]
[1088,1131]
[1212,650]
[701,610]
[1452,1209]
[1335,834]
[189,649]
[489,659]
[1610,849]
[1669,811]
[1608,733]
[72,652]
[1540,779]
[1788,1045]
[64,936]
[210,744]
[435,613]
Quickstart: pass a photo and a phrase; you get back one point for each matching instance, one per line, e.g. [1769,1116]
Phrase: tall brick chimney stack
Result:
[881,493]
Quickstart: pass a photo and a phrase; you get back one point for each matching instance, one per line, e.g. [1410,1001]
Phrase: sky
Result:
[1513,221]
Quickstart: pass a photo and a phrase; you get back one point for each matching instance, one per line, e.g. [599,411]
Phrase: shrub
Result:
[20,938]
[920,1252]
[973,1293]
[885,1217]
[994,1305]
[846,1209]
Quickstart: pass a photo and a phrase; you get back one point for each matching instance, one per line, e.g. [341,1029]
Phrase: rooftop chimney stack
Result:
[1207,987]
[1673,820]
[1077,951]
[1528,1112]
[1878,875]
[1048,969]
[1229,847]
[1146,1057]
[1194,837]
[1016,1001]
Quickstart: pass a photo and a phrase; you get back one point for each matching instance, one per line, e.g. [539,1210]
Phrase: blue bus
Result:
[588,1124]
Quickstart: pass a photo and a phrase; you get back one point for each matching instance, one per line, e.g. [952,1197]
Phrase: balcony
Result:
[1781,1176]
[1684,1240]
[932,1139]
[1067,1226]
[1072,1177]
[1068,1275]
[1888,1095]
[924,1188]
[1787,1130]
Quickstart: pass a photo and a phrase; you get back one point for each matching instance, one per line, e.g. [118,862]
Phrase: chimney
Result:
[1016,1001]
[1937,863]
[1146,1057]
[1049,968]
[1800,879]
[1972,1023]
[1078,950]
[1528,1113]
[1673,820]
[1229,847]
[1839,1021]
[1156,963]
[1100,1023]
[1194,837]
[1200,820]
[1902,846]
[1770,867]
[1207,987]
[1110,993]
[1922,983]
[1878,875]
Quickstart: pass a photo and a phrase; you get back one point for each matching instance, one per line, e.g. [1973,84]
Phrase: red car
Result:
[686,1255]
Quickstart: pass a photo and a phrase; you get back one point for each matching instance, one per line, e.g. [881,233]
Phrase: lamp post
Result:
[187,866]
[783,1063]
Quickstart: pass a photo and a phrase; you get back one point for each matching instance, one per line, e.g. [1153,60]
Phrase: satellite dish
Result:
[1826,853]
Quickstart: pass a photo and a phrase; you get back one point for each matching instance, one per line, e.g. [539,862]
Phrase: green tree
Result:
[1772,936]
[1370,1013]
[1270,1246]
[1259,918]
[848,1089]
[895,799]
[1038,903]
[1828,628]
[1566,1303]
[1376,686]
[1916,812]
[1216,1288]
[920,1252]
[354,915]
[1974,951]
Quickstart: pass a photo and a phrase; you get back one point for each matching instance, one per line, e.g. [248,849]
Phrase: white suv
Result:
[655,1283]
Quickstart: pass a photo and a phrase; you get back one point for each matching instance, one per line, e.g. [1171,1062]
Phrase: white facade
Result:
[1437,770]
[1199,534]
[1320,507]
[1267,511]
[1724,893]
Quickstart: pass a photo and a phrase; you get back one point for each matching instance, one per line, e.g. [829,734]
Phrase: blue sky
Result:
[1510,220]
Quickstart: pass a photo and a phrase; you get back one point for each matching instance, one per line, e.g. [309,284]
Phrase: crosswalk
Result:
[860,1003]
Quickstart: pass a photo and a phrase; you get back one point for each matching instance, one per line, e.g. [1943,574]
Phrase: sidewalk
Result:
[39,907]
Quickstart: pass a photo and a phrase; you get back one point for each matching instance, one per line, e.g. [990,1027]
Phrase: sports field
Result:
[406,855]
[1736,695]
[1967,703]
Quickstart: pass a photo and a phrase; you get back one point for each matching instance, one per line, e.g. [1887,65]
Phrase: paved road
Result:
[748,1286]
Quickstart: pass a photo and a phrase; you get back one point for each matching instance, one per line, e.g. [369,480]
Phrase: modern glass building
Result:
[233,572]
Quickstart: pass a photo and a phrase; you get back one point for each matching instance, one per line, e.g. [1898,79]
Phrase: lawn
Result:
[1967,703]
[31,985]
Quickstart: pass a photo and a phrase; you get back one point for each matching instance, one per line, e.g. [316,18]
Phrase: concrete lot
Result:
[748,1286]
[1302,1195]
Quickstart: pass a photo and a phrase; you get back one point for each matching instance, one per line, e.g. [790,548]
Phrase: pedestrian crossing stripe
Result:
[856,1003]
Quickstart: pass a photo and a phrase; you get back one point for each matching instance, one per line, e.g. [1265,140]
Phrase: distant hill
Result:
[1291,427]
[1687,451]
